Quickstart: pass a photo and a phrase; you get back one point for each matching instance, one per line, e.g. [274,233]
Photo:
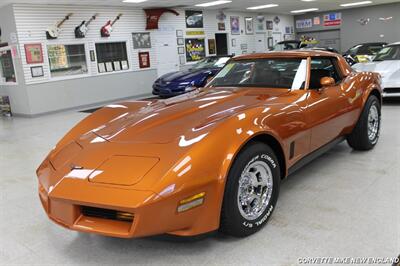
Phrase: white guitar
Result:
[54,31]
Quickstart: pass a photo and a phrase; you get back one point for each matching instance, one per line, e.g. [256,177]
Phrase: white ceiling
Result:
[285,6]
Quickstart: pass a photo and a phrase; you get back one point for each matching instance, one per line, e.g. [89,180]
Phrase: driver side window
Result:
[323,67]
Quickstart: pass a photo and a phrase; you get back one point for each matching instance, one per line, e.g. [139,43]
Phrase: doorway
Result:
[166,48]
[221,40]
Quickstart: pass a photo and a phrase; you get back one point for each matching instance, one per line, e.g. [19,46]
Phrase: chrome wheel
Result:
[373,123]
[255,190]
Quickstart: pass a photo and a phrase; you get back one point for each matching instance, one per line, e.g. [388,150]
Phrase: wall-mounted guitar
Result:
[107,29]
[81,30]
[54,31]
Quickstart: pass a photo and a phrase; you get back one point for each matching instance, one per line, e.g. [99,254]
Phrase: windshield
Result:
[388,53]
[286,46]
[270,73]
[211,62]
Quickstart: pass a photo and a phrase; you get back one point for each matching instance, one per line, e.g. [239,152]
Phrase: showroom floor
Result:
[345,203]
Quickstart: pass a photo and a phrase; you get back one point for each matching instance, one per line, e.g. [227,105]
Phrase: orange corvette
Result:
[213,158]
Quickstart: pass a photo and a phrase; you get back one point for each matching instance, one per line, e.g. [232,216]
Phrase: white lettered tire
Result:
[251,190]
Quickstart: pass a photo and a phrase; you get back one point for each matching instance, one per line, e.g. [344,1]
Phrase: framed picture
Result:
[109,67]
[181,50]
[37,71]
[124,65]
[141,40]
[270,42]
[179,33]
[260,26]
[233,42]
[249,26]
[211,46]
[34,53]
[221,26]
[270,25]
[102,67]
[182,60]
[144,60]
[235,25]
[195,49]
[194,19]
[180,41]
[117,65]
[288,37]
[92,56]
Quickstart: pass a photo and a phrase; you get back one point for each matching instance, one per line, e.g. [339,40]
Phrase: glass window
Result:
[7,71]
[67,60]
[388,53]
[320,68]
[211,62]
[269,73]
[112,56]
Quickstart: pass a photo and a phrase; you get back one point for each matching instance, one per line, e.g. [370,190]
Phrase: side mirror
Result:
[327,82]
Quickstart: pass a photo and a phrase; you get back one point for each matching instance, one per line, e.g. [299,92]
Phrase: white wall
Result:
[48,94]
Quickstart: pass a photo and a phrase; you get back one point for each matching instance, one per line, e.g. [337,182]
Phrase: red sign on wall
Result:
[144,59]
[33,53]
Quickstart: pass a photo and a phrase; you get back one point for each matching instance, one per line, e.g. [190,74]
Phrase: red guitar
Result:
[107,29]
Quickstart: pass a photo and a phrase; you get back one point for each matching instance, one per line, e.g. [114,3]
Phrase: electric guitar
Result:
[54,31]
[107,29]
[81,30]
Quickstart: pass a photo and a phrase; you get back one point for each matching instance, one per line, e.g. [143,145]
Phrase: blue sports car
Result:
[180,82]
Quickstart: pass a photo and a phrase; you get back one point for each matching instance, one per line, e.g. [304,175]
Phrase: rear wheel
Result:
[366,133]
[251,191]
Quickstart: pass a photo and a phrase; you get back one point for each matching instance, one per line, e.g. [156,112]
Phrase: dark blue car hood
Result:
[188,75]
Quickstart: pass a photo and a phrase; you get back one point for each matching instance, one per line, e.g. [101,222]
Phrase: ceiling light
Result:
[214,3]
[262,7]
[304,10]
[356,3]
[134,1]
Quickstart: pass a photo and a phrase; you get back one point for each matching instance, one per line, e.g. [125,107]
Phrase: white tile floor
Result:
[345,203]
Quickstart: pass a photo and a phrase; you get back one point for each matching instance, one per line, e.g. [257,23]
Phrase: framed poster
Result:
[235,25]
[195,49]
[260,27]
[109,67]
[141,40]
[124,65]
[102,67]
[194,19]
[37,71]
[144,60]
[233,42]
[179,33]
[34,53]
[270,42]
[92,56]
[180,41]
[270,25]
[117,65]
[249,26]
[221,26]
[181,50]
[211,46]
[182,60]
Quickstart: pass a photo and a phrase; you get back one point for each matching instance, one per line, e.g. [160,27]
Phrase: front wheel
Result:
[251,191]
[366,133]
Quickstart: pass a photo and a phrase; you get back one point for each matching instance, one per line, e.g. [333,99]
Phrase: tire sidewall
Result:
[257,152]
[373,101]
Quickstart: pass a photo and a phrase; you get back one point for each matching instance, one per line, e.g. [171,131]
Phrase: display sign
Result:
[141,40]
[195,50]
[195,33]
[144,59]
[332,19]
[211,46]
[34,53]
[304,23]
[194,19]
[235,25]
[317,21]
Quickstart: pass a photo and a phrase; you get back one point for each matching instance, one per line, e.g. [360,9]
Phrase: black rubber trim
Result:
[315,154]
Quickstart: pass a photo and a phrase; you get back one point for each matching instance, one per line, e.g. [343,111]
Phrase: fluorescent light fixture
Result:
[262,7]
[356,3]
[304,10]
[134,1]
[214,3]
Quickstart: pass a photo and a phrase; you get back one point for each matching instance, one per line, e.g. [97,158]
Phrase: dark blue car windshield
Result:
[211,62]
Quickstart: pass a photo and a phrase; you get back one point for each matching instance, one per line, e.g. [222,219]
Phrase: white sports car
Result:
[386,63]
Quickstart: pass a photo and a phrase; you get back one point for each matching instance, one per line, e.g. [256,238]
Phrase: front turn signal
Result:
[191,202]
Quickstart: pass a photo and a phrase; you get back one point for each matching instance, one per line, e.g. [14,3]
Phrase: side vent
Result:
[292,149]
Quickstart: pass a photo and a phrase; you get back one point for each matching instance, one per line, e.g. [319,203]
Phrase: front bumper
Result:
[167,90]
[391,88]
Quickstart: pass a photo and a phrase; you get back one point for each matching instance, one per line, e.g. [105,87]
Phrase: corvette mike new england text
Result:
[348,260]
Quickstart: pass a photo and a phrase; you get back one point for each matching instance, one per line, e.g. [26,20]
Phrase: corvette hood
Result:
[189,115]
[389,69]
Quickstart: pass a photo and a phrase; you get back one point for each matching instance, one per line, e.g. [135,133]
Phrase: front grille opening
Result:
[106,214]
